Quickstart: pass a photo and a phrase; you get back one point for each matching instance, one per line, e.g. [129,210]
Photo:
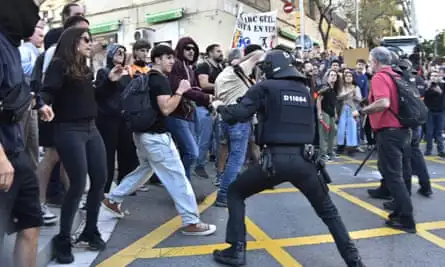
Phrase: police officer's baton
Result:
[365,160]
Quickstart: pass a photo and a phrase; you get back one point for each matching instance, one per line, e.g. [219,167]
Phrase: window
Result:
[262,5]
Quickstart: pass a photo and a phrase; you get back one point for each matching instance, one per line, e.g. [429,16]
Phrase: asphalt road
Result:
[283,229]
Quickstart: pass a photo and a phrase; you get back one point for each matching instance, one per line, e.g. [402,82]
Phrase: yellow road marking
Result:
[143,248]
[281,190]
[361,203]
[282,242]
[282,256]
[432,238]
[128,254]
[440,187]
[362,185]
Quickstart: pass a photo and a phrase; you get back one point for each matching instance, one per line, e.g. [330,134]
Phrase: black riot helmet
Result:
[279,64]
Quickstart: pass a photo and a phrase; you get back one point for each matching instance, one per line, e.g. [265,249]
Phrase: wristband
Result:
[178,94]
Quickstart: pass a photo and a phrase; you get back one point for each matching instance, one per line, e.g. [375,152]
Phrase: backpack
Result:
[136,108]
[412,111]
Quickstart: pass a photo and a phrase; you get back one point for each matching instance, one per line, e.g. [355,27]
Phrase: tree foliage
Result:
[375,19]
[326,10]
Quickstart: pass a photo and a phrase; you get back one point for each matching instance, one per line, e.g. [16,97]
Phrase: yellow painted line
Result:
[282,256]
[362,185]
[432,238]
[437,186]
[357,201]
[193,250]
[280,190]
[130,253]
[428,226]
[437,180]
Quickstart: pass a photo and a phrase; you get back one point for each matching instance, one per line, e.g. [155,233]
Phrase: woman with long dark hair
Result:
[349,96]
[327,114]
[69,89]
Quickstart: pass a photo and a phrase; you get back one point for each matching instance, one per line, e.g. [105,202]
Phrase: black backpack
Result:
[412,111]
[136,107]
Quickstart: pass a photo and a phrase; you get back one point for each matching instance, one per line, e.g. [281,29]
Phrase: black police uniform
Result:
[286,123]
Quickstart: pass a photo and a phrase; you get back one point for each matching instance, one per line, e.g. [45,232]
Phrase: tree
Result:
[327,10]
[375,20]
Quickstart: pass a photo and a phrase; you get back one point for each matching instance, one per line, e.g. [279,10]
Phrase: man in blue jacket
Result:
[19,193]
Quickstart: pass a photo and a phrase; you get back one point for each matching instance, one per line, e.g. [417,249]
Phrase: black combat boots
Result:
[233,256]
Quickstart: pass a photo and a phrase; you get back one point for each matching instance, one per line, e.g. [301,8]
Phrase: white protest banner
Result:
[255,28]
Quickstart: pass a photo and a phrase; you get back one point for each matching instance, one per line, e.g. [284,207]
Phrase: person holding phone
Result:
[110,83]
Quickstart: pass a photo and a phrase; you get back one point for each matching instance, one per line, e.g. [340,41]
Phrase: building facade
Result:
[207,21]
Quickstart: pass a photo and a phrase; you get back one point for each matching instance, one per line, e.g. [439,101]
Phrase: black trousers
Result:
[418,161]
[394,163]
[20,206]
[117,138]
[82,152]
[289,167]
[370,137]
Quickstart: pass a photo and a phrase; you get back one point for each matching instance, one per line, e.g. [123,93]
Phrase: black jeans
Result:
[82,152]
[117,138]
[418,161]
[370,137]
[394,163]
[289,167]
[20,206]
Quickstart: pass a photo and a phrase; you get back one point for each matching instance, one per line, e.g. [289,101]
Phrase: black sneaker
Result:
[234,255]
[92,242]
[221,203]
[428,153]
[201,171]
[379,193]
[62,250]
[405,224]
[425,192]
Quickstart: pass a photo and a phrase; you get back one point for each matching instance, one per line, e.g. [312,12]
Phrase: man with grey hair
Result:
[393,142]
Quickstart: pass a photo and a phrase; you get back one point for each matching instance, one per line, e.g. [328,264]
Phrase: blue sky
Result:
[430,17]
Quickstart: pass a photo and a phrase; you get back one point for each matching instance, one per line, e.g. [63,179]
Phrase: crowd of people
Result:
[76,119]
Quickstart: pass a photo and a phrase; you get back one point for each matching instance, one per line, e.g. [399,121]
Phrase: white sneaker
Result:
[199,229]
[48,216]
[143,188]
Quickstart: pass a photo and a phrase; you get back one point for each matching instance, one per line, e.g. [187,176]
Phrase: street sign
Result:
[288,7]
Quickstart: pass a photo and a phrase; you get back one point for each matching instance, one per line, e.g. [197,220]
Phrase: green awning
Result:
[288,35]
[105,27]
[164,16]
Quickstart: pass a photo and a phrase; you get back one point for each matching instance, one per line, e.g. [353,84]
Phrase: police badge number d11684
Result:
[294,99]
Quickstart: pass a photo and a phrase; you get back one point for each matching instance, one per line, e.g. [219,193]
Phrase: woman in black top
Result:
[327,115]
[68,88]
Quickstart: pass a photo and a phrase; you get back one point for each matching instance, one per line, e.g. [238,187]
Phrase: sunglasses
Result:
[189,48]
[86,39]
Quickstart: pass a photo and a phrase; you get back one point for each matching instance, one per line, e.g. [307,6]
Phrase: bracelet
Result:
[178,94]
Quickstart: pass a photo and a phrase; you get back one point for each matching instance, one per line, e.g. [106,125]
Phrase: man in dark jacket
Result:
[180,123]
[19,192]
[110,82]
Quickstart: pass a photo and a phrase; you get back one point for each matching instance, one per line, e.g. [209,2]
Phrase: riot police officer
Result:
[282,135]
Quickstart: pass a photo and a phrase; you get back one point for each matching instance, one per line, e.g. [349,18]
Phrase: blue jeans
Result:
[204,128]
[182,132]
[238,137]
[434,130]
[157,153]
[347,128]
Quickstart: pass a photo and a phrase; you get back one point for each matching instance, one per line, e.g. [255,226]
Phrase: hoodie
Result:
[17,21]
[108,92]
[182,70]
